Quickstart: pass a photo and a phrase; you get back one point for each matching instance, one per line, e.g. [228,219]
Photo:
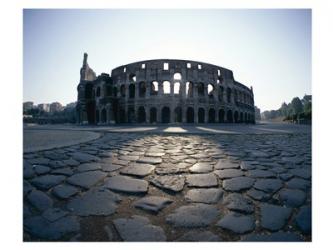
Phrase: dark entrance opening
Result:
[131,115]
[165,115]
[141,115]
[131,90]
[229,116]
[201,115]
[241,117]
[211,116]
[178,114]
[103,116]
[190,115]
[221,115]
[97,116]
[236,117]
[153,115]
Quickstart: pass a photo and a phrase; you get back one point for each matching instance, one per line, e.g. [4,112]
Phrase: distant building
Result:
[44,107]
[257,113]
[28,106]
[71,105]
[55,107]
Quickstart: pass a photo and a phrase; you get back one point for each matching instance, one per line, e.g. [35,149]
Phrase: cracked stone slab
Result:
[199,236]
[292,197]
[204,195]
[228,173]
[303,219]
[138,169]
[238,203]
[150,160]
[236,223]
[152,203]
[238,183]
[190,216]
[45,182]
[64,191]
[127,184]
[53,214]
[42,228]
[172,183]
[40,200]
[110,167]
[201,180]
[258,195]
[169,168]
[274,217]
[98,201]
[39,169]
[258,173]
[138,228]
[273,237]
[86,179]
[201,167]
[268,185]
[224,164]
[248,165]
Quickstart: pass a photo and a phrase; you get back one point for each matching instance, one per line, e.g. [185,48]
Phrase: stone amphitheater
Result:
[163,91]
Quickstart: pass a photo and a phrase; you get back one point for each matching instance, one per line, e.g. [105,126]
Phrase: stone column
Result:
[148,89]
[160,89]
[196,120]
[206,114]
[147,109]
[172,88]
[184,109]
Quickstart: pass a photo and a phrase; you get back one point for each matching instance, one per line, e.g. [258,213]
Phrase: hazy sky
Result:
[267,49]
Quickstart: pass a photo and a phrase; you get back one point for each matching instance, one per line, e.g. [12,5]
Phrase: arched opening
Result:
[189,89]
[221,115]
[166,87]
[178,114]
[131,115]
[109,90]
[211,115]
[154,88]
[235,96]
[201,115]
[241,117]
[153,115]
[141,115]
[132,77]
[111,113]
[229,116]
[228,95]
[142,89]
[131,90]
[165,115]
[115,91]
[221,91]
[201,89]
[177,76]
[122,116]
[103,116]
[190,115]
[210,89]
[97,116]
[176,88]
[122,90]
[98,92]
[245,117]
[236,117]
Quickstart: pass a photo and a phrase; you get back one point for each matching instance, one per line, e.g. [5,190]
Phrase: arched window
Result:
[142,89]
[122,90]
[166,87]
[177,76]
[97,116]
[98,92]
[132,77]
[154,88]
[201,89]
[221,91]
[189,89]
[131,90]
[211,90]
[229,95]
[176,88]
[103,118]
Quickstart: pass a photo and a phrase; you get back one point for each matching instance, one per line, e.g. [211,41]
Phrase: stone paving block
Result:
[86,179]
[152,203]
[274,217]
[204,195]
[127,184]
[201,180]
[172,183]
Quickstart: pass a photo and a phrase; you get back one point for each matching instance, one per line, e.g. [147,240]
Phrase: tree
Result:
[297,106]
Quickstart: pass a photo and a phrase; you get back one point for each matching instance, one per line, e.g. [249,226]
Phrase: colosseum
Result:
[163,91]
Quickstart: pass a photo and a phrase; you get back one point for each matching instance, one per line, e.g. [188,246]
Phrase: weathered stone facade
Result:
[163,91]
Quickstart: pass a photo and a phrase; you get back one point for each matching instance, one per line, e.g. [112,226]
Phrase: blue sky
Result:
[267,49]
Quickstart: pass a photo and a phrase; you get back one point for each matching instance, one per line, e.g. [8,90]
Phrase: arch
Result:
[221,91]
[122,90]
[166,87]
[228,95]
[103,116]
[190,115]
[245,117]
[201,115]
[98,92]
[176,88]
[201,89]
[132,77]
[142,89]
[154,88]
[177,76]
[211,90]
[229,116]
[165,115]
[236,116]
[153,115]
[189,89]
[178,114]
[241,117]
[97,116]
[109,90]
[122,115]
[131,91]
[114,91]
[211,115]
[141,115]
[131,115]
[221,116]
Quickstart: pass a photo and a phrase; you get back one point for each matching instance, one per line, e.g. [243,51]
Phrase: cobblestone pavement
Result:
[140,187]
